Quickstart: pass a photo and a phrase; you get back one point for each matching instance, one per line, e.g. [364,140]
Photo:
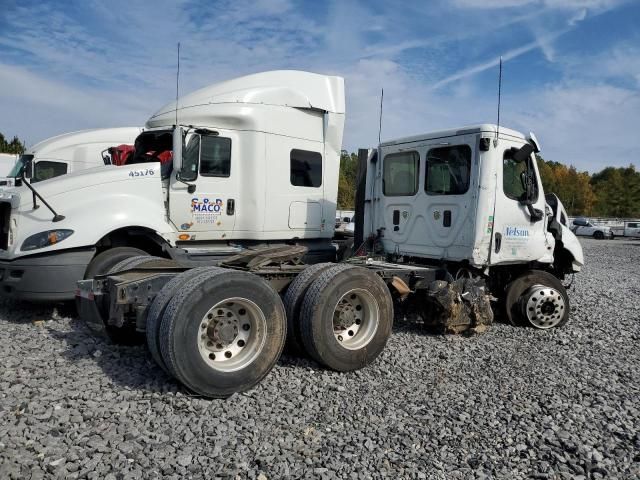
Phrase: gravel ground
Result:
[512,403]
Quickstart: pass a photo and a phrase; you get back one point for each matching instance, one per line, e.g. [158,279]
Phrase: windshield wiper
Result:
[56,216]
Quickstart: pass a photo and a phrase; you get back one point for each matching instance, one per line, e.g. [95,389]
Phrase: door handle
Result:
[446,218]
[498,241]
[231,206]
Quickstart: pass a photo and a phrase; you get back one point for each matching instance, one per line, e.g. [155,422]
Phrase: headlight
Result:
[45,239]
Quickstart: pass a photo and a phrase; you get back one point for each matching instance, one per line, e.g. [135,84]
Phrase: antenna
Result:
[380,126]
[177,83]
[495,142]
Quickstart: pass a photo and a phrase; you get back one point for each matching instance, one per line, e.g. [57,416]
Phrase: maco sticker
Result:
[206,209]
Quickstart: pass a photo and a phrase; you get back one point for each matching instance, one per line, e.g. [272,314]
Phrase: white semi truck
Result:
[196,257]
[67,153]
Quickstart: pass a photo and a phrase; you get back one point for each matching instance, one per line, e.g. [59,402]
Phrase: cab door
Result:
[516,236]
[428,197]
[450,196]
[209,212]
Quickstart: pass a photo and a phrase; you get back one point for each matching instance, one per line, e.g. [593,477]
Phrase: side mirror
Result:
[177,148]
[523,153]
[28,170]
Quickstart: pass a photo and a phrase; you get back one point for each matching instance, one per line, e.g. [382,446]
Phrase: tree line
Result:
[612,192]
[15,146]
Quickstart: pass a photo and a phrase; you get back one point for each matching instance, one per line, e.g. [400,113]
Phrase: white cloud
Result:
[39,108]
[508,55]
[558,4]
[579,16]
[590,126]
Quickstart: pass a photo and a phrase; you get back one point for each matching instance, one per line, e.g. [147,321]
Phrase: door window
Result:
[207,153]
[400,177]
[516,176]
[45,170]
[448,170]
[215,156]
[306,168]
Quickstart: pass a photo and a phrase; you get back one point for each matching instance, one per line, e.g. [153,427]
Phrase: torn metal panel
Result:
[458,306]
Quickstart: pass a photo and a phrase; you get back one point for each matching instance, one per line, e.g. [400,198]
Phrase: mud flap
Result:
[458,306]
[89,312]
[88,305]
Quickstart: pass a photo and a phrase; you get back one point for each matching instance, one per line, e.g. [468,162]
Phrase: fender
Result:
[572,246]
[100,203]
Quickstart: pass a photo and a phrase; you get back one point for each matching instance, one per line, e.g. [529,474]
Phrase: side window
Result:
[215,156]
[516,175]
[44,170]
[448,170]
[306,168]
[400,176]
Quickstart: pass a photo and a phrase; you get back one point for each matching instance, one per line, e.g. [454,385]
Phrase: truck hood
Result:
[87,178]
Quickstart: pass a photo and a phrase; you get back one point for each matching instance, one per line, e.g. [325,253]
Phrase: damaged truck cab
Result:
[471,200]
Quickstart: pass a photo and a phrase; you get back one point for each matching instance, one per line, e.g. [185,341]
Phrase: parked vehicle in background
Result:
[343,219]
[69,152]
[585,228]
[631,229]
[256,162]
[7,161]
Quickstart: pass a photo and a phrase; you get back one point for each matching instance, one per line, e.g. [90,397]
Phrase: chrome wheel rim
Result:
[231,334]
[355,319]
[544,307]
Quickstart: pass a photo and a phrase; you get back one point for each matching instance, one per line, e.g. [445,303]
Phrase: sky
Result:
[571,68]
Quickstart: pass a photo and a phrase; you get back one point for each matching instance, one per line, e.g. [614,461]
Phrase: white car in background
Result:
[583,227]
[631,229]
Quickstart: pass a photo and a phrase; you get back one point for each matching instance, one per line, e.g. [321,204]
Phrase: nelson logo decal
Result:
[516,232]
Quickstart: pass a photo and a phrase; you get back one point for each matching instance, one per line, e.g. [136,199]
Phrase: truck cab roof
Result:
[225,101]
[82,137]
[471,129]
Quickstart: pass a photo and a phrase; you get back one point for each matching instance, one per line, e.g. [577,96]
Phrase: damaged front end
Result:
[459,306]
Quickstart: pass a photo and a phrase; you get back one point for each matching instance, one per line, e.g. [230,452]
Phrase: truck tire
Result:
[346,317]
[105,261]
[159,306]
[223,332]
[598,235]
[293,302]
[128,263]
[537,299]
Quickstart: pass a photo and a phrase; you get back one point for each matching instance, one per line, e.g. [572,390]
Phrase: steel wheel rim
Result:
[232,334]
[544,307]
[355,319]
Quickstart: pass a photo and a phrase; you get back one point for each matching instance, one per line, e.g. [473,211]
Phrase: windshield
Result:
[18,168]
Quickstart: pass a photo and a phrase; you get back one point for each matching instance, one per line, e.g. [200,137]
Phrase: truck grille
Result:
[5,219]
